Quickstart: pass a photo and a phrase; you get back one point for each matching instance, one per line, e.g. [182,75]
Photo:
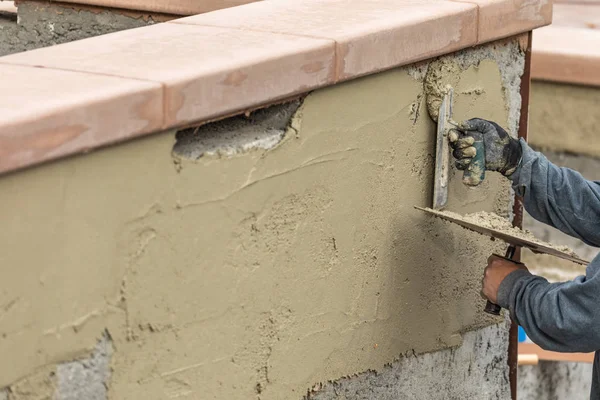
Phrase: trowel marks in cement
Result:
[263,129]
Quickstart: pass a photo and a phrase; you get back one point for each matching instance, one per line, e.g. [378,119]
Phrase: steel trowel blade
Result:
[536,247]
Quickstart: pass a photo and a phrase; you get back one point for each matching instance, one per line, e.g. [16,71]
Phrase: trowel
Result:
[475,172]
[513,241]
[537,246]
[473,176]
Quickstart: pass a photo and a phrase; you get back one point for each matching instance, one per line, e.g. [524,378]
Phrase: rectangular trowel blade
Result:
[537,245]
[442,156]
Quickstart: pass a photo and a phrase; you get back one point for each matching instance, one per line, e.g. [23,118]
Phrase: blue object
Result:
[522,335]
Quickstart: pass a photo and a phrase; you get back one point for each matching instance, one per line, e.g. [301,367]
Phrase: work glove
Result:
[502,152]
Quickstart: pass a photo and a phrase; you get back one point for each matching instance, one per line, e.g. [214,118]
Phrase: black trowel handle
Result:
[490,307]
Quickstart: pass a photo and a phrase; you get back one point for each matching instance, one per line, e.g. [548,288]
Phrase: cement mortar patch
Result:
[510,59]
[42,24]
[258,275]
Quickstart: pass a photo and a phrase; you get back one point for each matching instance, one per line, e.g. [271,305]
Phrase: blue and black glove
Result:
[502,152]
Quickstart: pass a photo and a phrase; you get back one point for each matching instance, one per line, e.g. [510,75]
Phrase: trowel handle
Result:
[475,172]
[490,307]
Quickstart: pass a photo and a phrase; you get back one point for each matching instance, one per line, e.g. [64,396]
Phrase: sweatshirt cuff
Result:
[522,175]
[503,296]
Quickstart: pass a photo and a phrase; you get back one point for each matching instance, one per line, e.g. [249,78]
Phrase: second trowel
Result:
[475,172]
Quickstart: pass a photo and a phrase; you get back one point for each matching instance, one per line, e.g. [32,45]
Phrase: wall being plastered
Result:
[267,271]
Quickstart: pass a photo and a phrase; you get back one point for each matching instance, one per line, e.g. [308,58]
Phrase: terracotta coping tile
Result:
[568,55]
[371,35]
[577,15]
[577,1]
[7,7]
[500,18]
[46,114]
[176,7]
[227,61]
[206,71]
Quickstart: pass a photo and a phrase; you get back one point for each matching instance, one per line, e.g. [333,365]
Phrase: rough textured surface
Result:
[507,54]
[259,274]
[42,24]
[551,380]
[553,269]
[262,129]
[475,370]
[40,384]
[87,378]
[565,118]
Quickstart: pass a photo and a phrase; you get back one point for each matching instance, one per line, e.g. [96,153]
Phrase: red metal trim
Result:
[513,342]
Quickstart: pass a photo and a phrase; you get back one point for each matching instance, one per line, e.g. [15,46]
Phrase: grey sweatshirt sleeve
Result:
[557,316]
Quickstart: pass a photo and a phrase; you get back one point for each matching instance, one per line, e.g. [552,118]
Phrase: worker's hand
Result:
[502,152]
[497,269]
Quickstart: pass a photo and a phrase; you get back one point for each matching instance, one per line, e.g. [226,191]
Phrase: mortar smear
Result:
[494,221]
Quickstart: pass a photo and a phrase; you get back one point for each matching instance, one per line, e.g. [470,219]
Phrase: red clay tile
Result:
[568,55]
[371,35]
[46,114]
[503,18]
[207,72]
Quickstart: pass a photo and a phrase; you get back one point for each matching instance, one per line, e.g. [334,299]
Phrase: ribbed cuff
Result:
[503,296]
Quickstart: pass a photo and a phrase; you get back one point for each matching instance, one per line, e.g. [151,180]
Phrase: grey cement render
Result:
[87,378]
[551,380]
[475,370]
[590,168]
[45,24]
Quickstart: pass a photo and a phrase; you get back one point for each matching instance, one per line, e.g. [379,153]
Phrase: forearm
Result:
[557,316]
[559,197]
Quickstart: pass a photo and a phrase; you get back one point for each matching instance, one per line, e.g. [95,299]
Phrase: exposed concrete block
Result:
[475,370]
[42,24]
[262,129]
[551,380]
[86,378]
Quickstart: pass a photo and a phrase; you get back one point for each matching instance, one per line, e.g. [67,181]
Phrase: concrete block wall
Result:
[244,226]
[287,264]
[39,24]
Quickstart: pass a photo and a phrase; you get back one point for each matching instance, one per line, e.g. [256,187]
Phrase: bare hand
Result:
[497,269]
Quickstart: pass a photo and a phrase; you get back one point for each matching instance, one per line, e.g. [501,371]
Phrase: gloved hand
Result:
[502,152]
